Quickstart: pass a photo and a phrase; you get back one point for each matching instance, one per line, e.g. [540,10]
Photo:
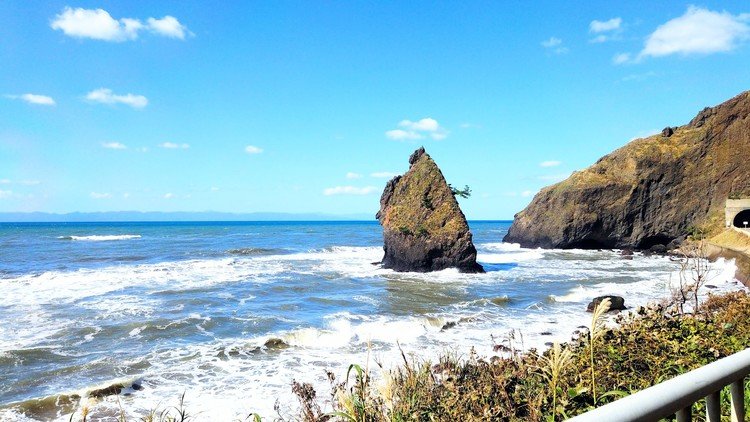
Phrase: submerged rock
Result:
[649,192]
[617,303]
[423,226]
[275,344]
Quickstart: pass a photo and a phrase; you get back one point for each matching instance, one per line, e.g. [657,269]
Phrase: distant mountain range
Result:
[121,216]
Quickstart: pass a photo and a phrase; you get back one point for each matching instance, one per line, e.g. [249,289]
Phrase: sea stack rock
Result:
[649,193]
[423,226]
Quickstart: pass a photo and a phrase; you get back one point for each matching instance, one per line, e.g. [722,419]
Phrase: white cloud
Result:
[402,135]
[126,195]
[5,194]
[98,24]
[419,129]
[214,189]
[4,181]
[34,99]
[698,31]
[554,44]
[168,26]
[251,149]
[550,163]
[142,149]
[551,42]
[527,193]
[383,174]
[172,145]
[349,190]
[98,195]
[352,175]
[168,195]
[114,145]
[621,58]
[106,96]
[596,26]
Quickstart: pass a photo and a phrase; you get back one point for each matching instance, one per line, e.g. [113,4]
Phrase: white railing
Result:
[677,395]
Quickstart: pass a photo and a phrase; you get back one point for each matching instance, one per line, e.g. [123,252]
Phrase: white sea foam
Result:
[102,238]
[228,386]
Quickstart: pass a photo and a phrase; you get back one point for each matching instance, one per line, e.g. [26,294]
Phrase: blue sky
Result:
[310,106]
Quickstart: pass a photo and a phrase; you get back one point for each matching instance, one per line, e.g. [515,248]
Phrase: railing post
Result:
[685,415]
[713,407]
[737,391]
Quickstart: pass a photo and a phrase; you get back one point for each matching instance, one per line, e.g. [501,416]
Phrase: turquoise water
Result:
[167,308]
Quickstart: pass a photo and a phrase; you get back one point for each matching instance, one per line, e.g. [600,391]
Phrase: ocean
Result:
[167,309]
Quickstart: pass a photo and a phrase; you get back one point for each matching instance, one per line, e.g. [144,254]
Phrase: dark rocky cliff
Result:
[423,226]
[650,192]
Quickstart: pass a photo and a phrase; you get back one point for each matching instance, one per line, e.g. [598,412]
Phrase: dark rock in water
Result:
[626,252]
[423,226]
[546,333]
[711,286]
[112,390]
[500,348]
[275,344]
[617,303]
[667,132]
[658,249]
[136,386]
[449,325]
[650,191]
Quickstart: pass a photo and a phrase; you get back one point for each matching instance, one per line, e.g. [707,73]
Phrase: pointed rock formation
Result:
[423,226]
[650,193]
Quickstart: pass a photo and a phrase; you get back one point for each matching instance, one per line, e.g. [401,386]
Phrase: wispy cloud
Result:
[383,174]
[98,24]
[100,195]
[550,163]
[527,193]
[555,45]
[605,30]
[168,26]
[168,195]
[349,190]
[698,31]
[114,145]
[252,149]
[106,96]
[21,182]
[352,175]
[621,58]
[4,194]
[172,145]
[33,99]
[420,129]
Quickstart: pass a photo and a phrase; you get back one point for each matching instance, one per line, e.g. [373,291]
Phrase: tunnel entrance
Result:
[742,219]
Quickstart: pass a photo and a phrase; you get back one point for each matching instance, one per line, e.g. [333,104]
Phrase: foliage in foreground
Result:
[648,347]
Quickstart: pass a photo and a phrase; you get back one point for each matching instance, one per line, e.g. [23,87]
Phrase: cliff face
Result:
[649,192]
[423,226]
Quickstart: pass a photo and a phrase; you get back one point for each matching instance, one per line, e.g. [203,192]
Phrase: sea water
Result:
[167,309]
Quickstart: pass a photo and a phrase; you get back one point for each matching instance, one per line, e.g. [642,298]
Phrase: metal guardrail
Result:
[677,395]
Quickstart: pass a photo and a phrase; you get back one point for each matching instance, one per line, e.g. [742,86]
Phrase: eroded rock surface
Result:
[651,192]
[423,226]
